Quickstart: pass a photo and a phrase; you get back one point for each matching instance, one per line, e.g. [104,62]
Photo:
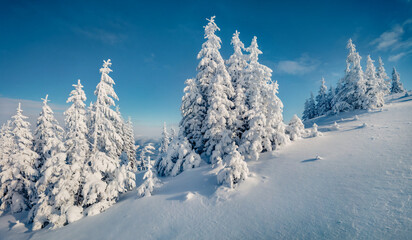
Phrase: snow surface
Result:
[359,187]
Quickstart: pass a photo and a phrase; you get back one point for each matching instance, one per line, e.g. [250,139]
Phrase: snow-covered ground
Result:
[359,187]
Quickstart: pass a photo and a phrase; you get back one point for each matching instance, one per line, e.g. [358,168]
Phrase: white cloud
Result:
[300,66]
[396,57]
[394,38]
[389,38]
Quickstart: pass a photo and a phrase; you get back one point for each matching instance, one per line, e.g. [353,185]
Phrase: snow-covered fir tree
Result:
[165,141]
[309,110]
[180,156]
[19,174]
[129,145]
[264,128]
[150,179]
[75,140]
[55,189]
[383,78]
[235,168]
[331,96]
[322,101]
[374,88]
[6,149]
[216,87]
[109,177]
[47,133]
[164,145]
[235,67]
[172,134]
[119,124]
[295,129]
[314,132]
[350,93]
[193,111]
[397,86]
[145,155]
[6,144]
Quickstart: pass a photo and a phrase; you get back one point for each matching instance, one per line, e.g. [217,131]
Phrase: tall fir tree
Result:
[309,111]
[322,100]
[351,91]
[47,132]
[236,66]
[264,128]
[19,176]
[75,140]
[129,145]
[164,145]
[6,145]
[193,109]
[108,177]
[383,79]
[53,197]
[374,90]
[397,86]
[216,87]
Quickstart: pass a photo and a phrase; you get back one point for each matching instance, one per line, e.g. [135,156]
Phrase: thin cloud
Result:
[389,38]
[393,39]
[300,66]
[396,57]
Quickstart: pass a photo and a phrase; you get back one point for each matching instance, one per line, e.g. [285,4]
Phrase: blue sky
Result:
[45,46]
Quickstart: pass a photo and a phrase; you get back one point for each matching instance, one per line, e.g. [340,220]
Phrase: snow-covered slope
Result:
[359,187]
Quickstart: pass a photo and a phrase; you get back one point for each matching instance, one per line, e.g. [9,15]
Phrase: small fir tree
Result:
[397,86]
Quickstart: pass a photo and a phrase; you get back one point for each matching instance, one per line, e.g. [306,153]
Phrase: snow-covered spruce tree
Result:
[47,132]
[351,91]
[314,131]
[20,173]
[309,110]
[397,86]
[165,141]
[264,120]
[374,91]
[322,104]
[6,150]
[179,157]
[108,177]
[295,129]
[145,155]
[172,134]
[235,67]
[6,144]
[129,145]
[235,168]
[75,140]
[56,187]
[330,97]
[193,111]
[164,145]
[383,79]
[119,124]
[150,180]
[216,88]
